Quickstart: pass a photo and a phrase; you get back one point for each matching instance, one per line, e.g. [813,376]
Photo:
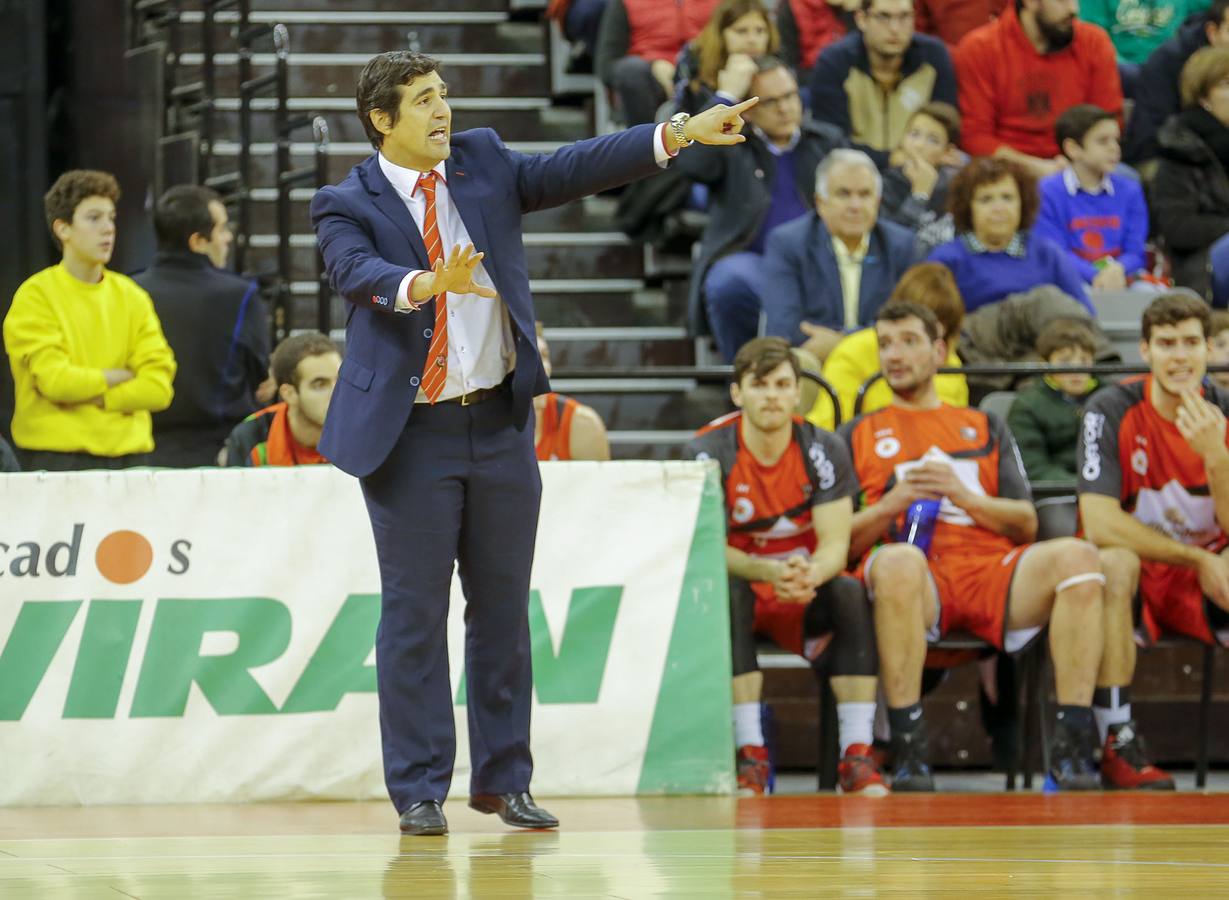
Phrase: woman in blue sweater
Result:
[993,203]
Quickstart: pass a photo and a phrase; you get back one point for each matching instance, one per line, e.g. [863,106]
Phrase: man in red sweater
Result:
[1020,72]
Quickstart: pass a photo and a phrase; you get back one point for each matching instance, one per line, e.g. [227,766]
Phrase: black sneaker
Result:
[1072,766]
[912,772]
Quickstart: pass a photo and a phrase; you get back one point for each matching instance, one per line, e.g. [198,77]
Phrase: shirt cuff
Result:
[660,153]
[727,99]
[403,303]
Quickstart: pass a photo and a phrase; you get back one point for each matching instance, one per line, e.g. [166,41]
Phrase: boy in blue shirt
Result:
[1096,214]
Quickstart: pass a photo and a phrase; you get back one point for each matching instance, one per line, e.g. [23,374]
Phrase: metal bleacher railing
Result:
[192,107]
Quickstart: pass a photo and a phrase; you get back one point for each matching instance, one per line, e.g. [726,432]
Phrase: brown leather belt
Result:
[476,396]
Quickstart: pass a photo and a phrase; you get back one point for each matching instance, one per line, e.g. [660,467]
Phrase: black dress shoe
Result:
[517,810]
[423,818]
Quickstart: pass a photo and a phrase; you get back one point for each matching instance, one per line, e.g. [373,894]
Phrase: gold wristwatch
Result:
[678,122]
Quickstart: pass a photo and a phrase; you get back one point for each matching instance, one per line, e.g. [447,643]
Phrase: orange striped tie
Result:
[435,370]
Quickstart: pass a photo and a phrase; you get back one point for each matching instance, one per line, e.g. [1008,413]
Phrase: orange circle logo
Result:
[123,557]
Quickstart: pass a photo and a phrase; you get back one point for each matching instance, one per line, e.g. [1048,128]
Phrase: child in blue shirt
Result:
[1094,213]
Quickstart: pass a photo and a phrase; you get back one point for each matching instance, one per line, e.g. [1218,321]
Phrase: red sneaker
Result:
[754,770]
[858,773]
[1124,763]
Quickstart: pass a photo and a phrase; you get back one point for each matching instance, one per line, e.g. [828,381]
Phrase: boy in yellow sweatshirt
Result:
[87,352]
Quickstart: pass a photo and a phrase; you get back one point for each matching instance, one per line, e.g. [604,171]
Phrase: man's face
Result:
[420,137]
[887,26]
[768,401]
[779,112]
[926,138]
[1177,355]
[1056,21]
[852,203]
[907,355]
[91,234]
[1101,151]
[1077,383]
[747,34]
[217,246]
[996,211]
[315,377]
[1218,355]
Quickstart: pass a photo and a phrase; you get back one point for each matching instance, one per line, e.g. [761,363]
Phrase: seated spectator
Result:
[951,20]
[789,499]
[1095,213]
[215,322]
[947,528]
[580,21]
[1045,417]
[856,358]
[564,428]
[919,173]
[8,459]
[1157,94]
[721,60]
[993,203]
[1153,470]
[1190,191]
[87,353]
[638,42]
[1019,73]
[286,433]
[1218,347]
[754,187]
[869,82]
[828,273]
[808,26]
[1138,27]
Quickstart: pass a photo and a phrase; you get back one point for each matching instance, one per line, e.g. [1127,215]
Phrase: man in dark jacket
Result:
[829,273]
[1156,95]
[753,187]
[870,82]
[215,322]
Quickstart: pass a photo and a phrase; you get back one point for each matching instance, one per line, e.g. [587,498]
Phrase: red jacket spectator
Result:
[808,26]
[658,29]
[1011,95]
[951,20]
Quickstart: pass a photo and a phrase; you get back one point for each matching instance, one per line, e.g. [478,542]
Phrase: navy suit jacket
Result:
[370,242]
[802,280]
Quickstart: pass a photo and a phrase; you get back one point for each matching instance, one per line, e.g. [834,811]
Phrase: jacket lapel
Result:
[466,199]
[872,273]
[388,202]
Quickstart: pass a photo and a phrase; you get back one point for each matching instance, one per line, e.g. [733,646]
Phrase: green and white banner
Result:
[208,635]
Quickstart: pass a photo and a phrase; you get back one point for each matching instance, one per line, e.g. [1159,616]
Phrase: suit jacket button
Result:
[413,381]
[426,332]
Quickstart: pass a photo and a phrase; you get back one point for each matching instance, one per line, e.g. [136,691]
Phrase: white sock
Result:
[1110,715]
[747,727]
[856,722]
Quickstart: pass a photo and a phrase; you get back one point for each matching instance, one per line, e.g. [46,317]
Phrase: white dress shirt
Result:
[480,348]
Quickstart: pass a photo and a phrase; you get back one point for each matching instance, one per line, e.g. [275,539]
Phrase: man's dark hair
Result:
[984,170]
[75,185]
[761,355]
[1174,307]
[1217,11]
[768,62]
[1075,123]
[1064,334]
[899,310]
[380,82]
[289,353]
[182,211]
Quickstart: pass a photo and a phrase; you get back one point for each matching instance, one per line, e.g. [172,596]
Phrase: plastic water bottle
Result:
[920,523]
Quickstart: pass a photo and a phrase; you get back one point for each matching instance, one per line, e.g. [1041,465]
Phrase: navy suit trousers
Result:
[460,486]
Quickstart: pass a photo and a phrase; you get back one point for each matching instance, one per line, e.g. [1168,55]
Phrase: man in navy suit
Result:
[423,239]
[829,272]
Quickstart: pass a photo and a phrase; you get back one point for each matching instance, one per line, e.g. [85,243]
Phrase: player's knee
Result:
[896,564]
[1076,567]
[1119,564]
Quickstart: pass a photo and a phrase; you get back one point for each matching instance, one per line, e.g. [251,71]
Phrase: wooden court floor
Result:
[795,846]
